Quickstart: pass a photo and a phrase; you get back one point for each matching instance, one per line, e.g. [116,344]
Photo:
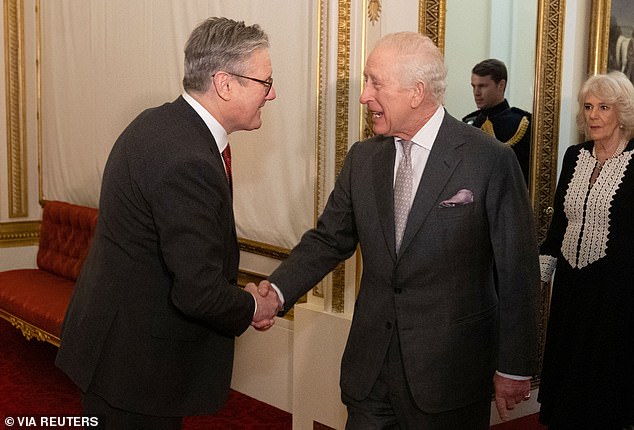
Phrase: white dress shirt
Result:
[218,131]
[422,141]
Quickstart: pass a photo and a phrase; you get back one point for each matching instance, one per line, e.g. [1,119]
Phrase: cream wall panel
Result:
[105,61]
[263,365]
[22,257]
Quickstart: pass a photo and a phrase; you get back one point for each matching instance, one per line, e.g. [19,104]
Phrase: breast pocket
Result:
[453,212]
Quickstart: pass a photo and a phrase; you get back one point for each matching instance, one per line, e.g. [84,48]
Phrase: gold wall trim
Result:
[321,131]
[547,103]
[546,107]
[342,130]
[38,84]
[16,108]
[374,11]
[322,101]
[264,249]
[431,21]
[29,330]
[26,233]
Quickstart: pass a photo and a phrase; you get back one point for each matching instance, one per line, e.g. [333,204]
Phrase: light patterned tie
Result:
[226,156]
[403,192]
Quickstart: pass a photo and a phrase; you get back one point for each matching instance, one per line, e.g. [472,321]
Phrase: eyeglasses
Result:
[268,84]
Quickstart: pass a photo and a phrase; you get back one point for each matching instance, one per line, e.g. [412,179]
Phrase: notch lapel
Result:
[383,178]
[441,164]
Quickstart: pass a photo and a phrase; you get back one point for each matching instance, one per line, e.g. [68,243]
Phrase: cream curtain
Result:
[104,61]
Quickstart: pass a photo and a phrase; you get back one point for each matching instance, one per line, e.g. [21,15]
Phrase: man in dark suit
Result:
[149,334]
[495,116]
[447,303]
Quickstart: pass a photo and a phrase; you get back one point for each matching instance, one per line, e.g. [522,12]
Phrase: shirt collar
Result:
[217,130]
[426,136]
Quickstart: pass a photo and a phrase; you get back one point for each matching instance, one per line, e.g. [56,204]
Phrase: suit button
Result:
[388,325]
[397,291]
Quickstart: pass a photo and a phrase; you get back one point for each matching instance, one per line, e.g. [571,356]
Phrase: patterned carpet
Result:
[30,385]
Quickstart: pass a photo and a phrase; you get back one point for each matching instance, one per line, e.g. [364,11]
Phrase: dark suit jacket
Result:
[154,313]
[461,292]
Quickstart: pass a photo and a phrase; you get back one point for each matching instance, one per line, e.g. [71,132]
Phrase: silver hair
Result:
[612,88]
[420,61]
[219,44]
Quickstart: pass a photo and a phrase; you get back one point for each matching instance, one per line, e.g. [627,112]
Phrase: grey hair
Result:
[219,44]
[613,88]
[420,61]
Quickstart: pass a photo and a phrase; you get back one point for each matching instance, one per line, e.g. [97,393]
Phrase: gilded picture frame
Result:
[612,37]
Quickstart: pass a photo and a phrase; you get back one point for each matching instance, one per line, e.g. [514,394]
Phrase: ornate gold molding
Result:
[342,129]
[25,233]
[29,330]
[322,100]
[545,137]
[16,107]
[374,11]
[431,20]
[546,106]
[264,249]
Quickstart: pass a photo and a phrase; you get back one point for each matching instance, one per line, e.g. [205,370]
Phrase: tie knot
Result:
[226,154]
[407,147]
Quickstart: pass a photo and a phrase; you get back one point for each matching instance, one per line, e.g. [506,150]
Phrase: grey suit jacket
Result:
[152,320]
[462,292]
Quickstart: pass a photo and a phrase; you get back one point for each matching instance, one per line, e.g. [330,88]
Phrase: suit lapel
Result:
[441,164]
[383,178]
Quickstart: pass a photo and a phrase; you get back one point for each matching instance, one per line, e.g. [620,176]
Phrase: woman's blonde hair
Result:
[613,88]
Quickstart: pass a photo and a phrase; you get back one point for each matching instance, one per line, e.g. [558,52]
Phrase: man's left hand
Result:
[508,393]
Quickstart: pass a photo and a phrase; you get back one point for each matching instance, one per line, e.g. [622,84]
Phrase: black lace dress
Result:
[587,379]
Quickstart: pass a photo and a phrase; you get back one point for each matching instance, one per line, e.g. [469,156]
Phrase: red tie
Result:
[226,156]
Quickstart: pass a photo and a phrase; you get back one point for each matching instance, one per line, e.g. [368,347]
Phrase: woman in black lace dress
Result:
[588,371]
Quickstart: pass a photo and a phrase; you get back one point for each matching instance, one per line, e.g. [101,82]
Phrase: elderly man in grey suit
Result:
[149,334]
[448,297]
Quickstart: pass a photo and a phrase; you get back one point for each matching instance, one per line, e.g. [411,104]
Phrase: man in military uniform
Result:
[509,125]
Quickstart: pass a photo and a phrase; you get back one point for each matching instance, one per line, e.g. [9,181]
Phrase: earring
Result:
[621,126]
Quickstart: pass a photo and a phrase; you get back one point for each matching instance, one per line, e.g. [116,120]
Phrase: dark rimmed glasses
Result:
[268,84]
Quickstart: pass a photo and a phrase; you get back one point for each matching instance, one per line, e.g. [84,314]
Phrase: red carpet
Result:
[31,385]
[525,423]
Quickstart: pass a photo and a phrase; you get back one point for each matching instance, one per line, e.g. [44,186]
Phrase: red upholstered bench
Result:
[35,300]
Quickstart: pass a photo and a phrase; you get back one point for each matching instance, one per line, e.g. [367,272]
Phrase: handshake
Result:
[268,304]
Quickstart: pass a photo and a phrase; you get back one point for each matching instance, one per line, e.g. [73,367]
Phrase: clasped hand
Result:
[268,302]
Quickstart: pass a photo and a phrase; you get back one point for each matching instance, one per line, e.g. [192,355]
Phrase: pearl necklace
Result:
[619,149]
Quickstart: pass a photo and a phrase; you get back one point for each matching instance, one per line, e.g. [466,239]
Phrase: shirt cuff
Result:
[279,294]
[514,377]
[256,305]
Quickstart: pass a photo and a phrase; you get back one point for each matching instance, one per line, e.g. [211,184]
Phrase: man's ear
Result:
[502,84]
[222,83]
[418,94]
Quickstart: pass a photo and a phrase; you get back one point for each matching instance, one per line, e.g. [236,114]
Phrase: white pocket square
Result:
[462,197]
